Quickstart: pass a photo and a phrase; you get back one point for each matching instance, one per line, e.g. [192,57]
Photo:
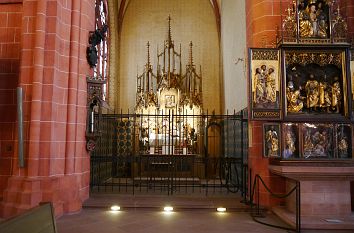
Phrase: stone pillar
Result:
[262,18]
[53,75]
[10,37]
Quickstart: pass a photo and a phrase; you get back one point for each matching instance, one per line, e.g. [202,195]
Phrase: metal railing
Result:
[167,174]
[256,211]
[162,154]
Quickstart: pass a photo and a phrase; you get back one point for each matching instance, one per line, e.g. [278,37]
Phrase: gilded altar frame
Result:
[265,84]
[313,140]
[312,112]
[315,84]
[312,22]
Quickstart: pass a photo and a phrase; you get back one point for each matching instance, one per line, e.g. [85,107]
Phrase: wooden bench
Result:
[37,220]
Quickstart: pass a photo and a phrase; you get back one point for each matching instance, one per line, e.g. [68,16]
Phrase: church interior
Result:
[248,102]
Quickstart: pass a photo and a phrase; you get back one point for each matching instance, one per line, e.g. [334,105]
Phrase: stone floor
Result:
[144,214]
[92,220]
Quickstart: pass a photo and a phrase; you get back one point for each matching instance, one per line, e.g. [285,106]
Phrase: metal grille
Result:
[211,160]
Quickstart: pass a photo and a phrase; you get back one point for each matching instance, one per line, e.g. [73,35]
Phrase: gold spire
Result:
[169,36]
[191,53]
[148,54]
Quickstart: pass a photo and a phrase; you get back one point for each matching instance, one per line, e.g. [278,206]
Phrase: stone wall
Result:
[53,71]
[10,37]
[191,21]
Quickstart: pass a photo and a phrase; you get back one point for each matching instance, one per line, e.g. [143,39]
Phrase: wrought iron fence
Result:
[170,154]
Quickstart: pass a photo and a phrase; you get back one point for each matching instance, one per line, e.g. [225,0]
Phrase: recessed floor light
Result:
[168,208]
[115,208]
[221,209]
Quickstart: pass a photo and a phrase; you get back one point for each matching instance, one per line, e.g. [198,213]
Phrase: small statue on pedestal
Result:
[295,103]
[336,95]
[312,93]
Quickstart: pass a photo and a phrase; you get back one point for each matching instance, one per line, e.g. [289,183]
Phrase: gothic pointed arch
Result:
[203,13]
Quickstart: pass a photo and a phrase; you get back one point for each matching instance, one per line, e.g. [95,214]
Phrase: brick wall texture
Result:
[43,46]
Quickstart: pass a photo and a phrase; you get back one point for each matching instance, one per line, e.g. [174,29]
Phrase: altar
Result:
[169,101]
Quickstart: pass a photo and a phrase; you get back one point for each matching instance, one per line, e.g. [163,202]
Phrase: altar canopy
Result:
[168,90]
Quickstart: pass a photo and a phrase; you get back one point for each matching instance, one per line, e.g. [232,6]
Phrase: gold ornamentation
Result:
[312,92]
[265,90]
[266,114]
[289,24]
[336,95]
[317,140]
[321,58]
[290,140]
[313,22]
[339,26]
[271,142]
[294,99]
[265,55]
[153,88]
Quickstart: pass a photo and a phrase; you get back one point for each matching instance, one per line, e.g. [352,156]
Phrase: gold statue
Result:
[289,144]
[343,147]
[270,88]
[308,145]
[312,93]
[259,87]
[322,144]
[322,21]
[294,100]
[312,21]
[336,95]
[324,95]
[272,142]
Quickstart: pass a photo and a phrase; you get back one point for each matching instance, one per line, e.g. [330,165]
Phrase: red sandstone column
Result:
[262,18]
[10,34]
[53,74]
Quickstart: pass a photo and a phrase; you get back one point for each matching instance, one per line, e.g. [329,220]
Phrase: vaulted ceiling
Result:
[123,4]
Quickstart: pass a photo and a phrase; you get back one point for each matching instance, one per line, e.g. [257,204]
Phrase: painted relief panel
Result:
[343,139]
[317,140]
[313,16]
[271,140]
[315,84]
[314,22]
[265,84]
[290,132]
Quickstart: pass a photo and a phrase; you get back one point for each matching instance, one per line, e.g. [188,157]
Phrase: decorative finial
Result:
[169,29]
[289,11]
[148,52]
[191,53]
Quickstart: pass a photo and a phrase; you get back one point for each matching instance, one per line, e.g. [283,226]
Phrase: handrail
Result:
[296,189]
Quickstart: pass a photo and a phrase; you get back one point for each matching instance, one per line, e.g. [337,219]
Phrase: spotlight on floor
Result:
[115,208]
[168,209]
[221,209]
